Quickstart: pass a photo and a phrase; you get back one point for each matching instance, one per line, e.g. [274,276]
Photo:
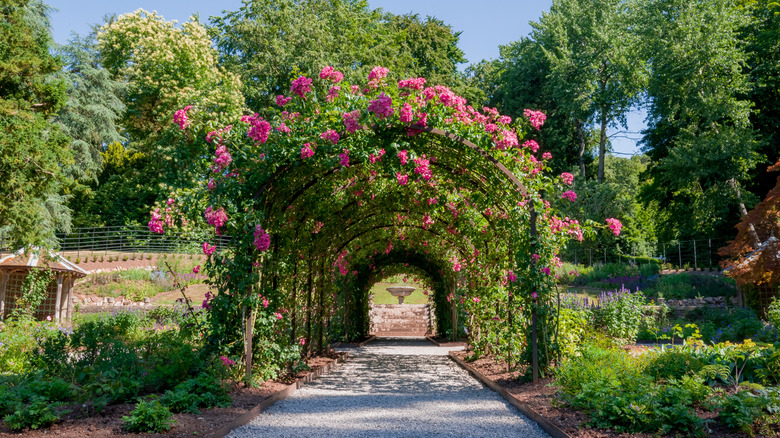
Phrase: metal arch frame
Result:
[503,169]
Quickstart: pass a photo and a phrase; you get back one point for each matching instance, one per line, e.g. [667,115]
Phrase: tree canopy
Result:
[32,149]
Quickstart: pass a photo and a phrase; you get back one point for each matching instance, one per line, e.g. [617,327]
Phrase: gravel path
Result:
[393,388]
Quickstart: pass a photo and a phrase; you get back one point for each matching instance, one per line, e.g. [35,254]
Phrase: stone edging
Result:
[250,415]
[446,344]
[524,408]
[370,339]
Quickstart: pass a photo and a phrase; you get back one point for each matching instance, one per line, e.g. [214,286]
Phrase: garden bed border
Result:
[524,408]
[446,344]
[290,389]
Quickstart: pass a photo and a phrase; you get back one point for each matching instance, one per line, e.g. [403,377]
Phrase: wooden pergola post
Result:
[58,298]
[3,281]
[454,305]
[534,325]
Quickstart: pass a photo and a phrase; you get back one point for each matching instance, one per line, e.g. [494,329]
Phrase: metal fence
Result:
[87,242]
[700,253]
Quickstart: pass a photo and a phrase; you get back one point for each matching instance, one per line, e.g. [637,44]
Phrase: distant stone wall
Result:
[390,320]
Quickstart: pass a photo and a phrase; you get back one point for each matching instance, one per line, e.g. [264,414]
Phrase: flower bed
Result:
[546,399]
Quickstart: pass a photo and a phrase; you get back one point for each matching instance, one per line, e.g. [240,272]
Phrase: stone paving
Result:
[393,388]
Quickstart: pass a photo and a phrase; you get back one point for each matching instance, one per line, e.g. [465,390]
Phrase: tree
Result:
[699,135]
[268,43]
[32,149]
[520,79]
[165,68]
[595,70]
[762,39]
[753,256]
[93,108]
[617,196]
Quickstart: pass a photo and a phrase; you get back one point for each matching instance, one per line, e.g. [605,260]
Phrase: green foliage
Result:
[751,413]
[682,286]
[672,364]
[39,413]
[698,135]
[32,149]
[595,68]
[518,80]
[33,292]
[149,416]
[267,43]
[617,196]
[773,312]
[619,314]
[612,387]
[571,330]
[89,116]
[204,391]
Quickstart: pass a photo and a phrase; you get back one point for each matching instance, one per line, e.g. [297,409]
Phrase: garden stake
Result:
[187,301]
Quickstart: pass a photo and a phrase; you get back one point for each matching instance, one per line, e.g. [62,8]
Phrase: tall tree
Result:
[32,149]
[93,108]
[518,80]
[699,135]
[164,68]
[595,67]
[763,48]
[270,42]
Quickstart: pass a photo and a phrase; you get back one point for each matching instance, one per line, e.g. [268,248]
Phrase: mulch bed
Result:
[541,397]
[109,422]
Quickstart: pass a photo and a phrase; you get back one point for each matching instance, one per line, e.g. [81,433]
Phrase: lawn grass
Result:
[382,296]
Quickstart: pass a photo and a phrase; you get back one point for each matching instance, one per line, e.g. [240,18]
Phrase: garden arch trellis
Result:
[290,190]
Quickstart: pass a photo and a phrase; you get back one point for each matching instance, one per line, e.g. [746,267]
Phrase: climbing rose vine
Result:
[339,174]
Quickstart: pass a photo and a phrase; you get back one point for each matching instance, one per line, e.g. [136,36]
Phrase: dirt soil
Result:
[109,423]
[541,397]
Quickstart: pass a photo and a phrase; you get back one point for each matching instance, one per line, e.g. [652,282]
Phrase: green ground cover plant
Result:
[105,359]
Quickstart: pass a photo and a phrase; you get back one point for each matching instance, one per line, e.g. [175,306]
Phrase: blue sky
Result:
[484,25]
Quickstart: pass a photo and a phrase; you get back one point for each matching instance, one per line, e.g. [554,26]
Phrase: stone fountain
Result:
[401,292]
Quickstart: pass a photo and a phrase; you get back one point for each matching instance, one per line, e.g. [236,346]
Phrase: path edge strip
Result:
[446,344]
[371,338]
[250,415]
[524,408]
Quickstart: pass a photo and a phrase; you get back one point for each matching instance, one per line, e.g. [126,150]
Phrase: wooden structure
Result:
[58,304]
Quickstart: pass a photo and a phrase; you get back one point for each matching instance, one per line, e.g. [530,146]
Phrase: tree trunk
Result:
[581,135]
[602,145]
[743,212]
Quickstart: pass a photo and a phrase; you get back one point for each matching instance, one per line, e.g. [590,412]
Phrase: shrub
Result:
[169,359]
[78,260]
[672,364]
[597,365]
[37,414]
[124,258]
[750,413]
[619,313]
[611,387]
[210,391]
[149,416]
[572,326]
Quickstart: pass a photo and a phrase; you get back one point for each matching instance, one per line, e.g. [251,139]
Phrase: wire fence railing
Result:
[117,240]
[699,253]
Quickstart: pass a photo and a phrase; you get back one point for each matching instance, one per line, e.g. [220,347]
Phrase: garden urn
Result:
[401,292]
